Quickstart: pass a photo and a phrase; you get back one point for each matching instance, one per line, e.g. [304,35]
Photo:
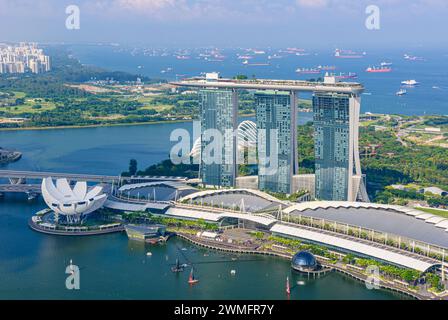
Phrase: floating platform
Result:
[150,233]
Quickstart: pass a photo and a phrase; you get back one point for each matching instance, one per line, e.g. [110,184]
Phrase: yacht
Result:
[409,82]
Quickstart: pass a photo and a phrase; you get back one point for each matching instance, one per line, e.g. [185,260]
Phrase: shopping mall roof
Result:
[210,216]
[403,259]
[402,221]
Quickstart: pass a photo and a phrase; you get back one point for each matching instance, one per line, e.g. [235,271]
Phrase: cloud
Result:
[150,5]
[312,3]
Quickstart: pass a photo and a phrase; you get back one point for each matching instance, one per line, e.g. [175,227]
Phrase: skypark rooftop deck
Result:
[269,84]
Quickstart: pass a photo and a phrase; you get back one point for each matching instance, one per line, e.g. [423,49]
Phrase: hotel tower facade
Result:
[336,109]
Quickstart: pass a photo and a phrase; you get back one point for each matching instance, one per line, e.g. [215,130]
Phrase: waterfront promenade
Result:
[328,267]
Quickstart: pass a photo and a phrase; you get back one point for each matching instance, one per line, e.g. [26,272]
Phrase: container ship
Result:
[381,69]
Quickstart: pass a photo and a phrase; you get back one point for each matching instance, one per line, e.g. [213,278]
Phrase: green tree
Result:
[132,167]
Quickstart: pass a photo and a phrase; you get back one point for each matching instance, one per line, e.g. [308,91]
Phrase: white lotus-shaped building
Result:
[246,139]
[72,203]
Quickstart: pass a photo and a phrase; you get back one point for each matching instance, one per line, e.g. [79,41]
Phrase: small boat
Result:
[401,92]
[386,64]
[288,288]
[191,278]
[149,254]
[178,267]
[409,83]
[233,272]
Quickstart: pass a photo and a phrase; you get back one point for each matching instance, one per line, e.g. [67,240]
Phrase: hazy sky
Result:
[274,23]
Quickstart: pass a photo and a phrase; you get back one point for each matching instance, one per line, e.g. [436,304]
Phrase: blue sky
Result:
[317,23]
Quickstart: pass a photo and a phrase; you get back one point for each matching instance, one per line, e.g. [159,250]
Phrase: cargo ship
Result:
[350,75]
[347,54]
[327,68]
[246,62]
[182,57]
[378,69]
[413,58]
[308,70]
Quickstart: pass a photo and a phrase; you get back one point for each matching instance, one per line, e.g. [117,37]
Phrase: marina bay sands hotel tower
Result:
[336,108]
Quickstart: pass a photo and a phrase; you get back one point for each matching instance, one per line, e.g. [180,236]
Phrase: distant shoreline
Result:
[93,125]
[107,125]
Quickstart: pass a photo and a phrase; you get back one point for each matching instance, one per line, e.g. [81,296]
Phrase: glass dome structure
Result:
[304,261]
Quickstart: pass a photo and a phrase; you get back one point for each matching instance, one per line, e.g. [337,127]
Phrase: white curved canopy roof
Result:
[254,192]
[64,200]
[246,138]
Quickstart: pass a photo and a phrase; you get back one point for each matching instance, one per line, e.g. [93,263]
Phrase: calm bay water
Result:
[427,98]
[32,265]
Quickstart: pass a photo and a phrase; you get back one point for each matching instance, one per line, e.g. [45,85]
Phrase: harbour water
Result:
[427,98]
[32,265]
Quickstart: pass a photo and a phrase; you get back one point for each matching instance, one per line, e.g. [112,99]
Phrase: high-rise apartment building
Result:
[23,58]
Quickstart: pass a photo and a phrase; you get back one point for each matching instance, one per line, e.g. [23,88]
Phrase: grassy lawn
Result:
[157,108]
[19,94]
[306,103]
[442,213]
[27,107]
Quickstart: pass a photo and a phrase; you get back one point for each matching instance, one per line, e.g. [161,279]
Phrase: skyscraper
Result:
[218,113]
[338,171]
[276,125]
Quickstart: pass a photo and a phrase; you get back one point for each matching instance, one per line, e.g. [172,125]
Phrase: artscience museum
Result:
[72,205]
